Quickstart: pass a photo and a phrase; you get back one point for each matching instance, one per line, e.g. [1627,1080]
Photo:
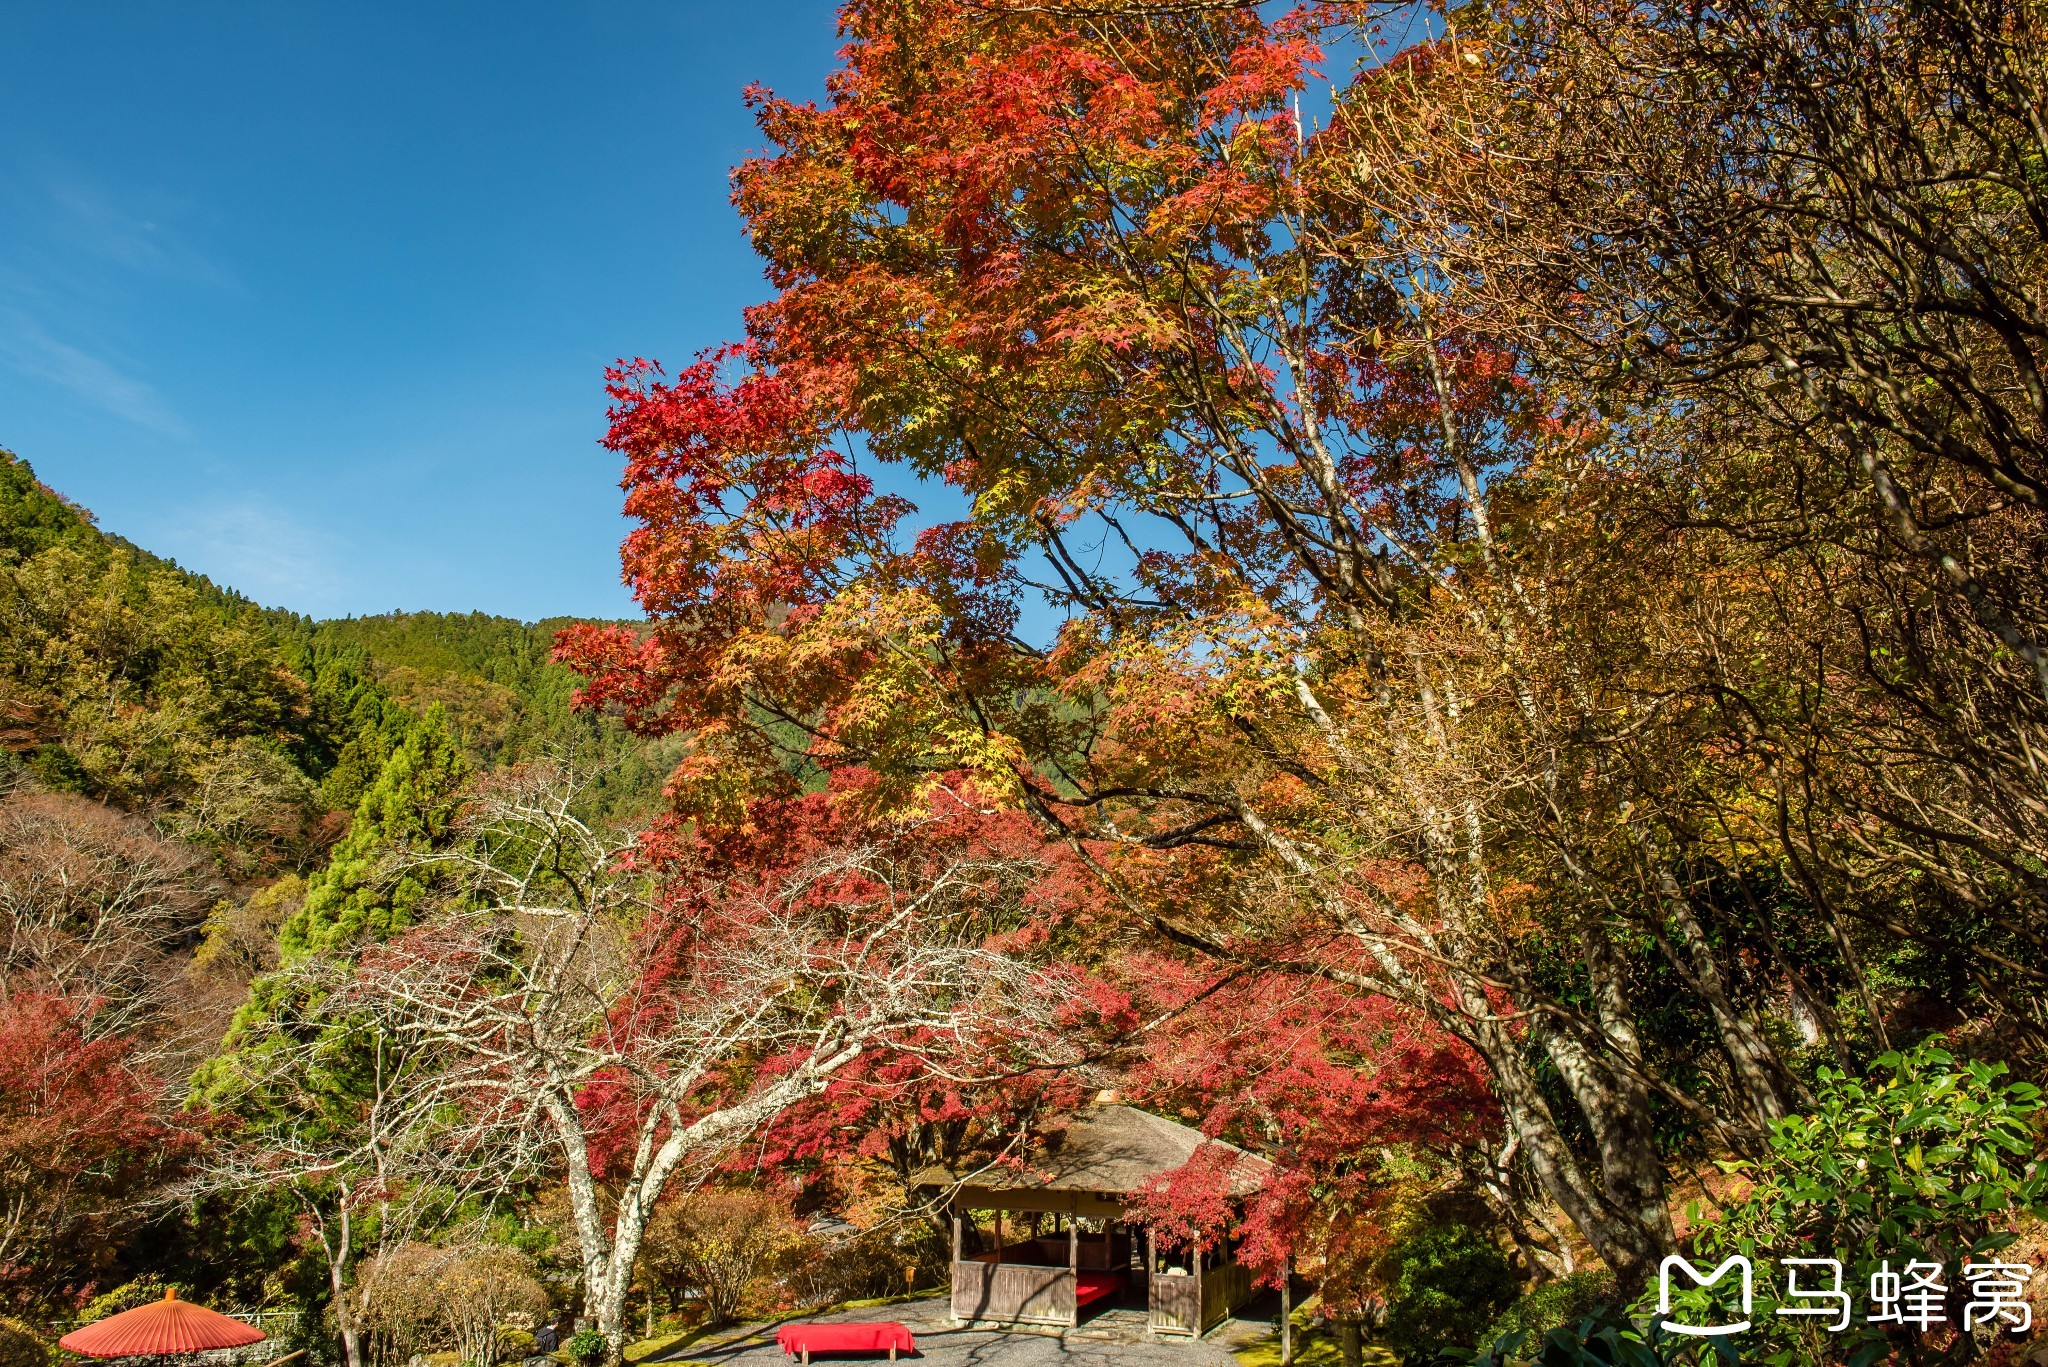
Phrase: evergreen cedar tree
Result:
[410,806]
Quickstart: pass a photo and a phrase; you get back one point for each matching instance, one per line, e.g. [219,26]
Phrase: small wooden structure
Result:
[1086,1175]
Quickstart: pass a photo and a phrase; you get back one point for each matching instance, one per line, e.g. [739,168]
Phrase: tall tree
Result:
[1801,247]
[364,892]
[322,1111]
[1320,546]
[318,1098]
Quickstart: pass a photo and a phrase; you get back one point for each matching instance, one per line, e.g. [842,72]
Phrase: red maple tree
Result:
[84,1133]
[1073,271]
[1319,1081]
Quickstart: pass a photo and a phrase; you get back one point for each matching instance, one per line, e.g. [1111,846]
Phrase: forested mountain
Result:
[177,765]
[133,680]
[504,698]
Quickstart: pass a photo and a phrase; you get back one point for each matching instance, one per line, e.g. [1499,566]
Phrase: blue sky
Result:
[315,298]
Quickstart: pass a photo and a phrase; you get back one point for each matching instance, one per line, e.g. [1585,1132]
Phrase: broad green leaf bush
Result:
[1605,1338]
[1930,1158]
[587,1348]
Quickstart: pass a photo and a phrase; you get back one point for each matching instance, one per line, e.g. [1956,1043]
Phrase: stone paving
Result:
[1112,1339]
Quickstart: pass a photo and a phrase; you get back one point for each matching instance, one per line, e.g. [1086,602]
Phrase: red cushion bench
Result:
[802,1340]
[1090,1287]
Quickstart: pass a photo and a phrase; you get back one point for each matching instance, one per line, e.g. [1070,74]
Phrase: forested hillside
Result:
[503,697]
[131,679]
[177,765]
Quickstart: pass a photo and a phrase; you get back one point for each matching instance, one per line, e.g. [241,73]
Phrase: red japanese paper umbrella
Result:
[166,1326]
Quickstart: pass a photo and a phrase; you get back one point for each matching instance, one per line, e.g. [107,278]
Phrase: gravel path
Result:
[939,1344]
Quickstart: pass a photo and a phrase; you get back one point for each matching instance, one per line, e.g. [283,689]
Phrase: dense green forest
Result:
[183,777]
[133,680]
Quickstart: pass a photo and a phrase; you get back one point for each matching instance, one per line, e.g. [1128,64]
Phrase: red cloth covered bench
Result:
[802,1340]
[1090,1287]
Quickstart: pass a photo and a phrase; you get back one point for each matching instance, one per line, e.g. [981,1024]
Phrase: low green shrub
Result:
[143,1290]
[587,1348]
[1606,1338]
[1445,1284]
[1557,1304]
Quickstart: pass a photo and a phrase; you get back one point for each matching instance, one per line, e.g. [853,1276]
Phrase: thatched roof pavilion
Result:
[1089,1173]
[1108,1151]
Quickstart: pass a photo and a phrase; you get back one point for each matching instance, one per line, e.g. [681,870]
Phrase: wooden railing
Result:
[1040,1252]
[1096,1253]
[1180,1304]
[1012,1293]
[1223,1290]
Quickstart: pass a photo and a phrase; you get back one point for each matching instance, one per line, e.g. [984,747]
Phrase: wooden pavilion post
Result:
[1074,1259]
[999,1236]
[1287,1311]
[956,1233]
[1151,1276]
[1201,1308]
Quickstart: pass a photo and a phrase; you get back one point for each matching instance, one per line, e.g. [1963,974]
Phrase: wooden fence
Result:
[1012,1293]
[1223,1290]
[1180,1304]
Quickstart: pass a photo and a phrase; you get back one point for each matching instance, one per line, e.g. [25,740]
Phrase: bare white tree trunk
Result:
[544,977]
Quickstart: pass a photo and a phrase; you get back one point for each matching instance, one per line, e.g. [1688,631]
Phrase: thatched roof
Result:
[1110,1149]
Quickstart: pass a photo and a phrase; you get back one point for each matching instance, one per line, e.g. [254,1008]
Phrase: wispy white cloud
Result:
[265,551]
[28,347]
[70,239]
[74,254]
[138,230]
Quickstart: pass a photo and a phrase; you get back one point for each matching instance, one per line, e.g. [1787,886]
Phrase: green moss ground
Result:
[1315,1344]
